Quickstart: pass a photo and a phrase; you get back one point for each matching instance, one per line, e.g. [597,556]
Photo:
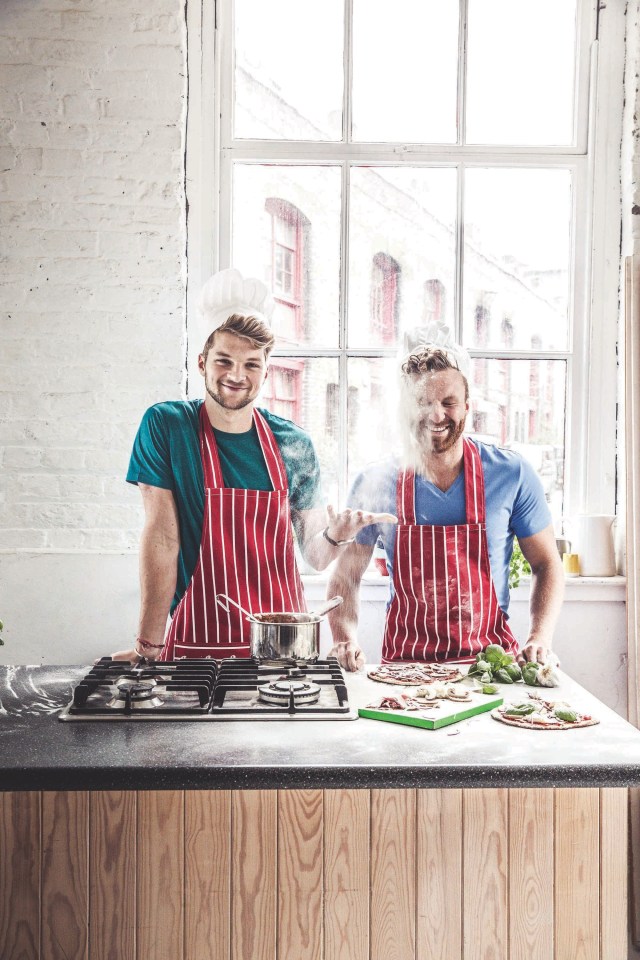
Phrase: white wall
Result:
[92,217]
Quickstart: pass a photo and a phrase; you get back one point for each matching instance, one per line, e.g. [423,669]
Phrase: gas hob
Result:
[210,690]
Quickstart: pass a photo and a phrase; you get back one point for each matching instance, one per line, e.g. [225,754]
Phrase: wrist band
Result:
[336,543]
[147,645]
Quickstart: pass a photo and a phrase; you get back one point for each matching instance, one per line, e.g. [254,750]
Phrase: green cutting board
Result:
[432,719]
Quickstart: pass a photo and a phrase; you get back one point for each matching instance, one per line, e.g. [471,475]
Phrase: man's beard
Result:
[238,405]
[440,443]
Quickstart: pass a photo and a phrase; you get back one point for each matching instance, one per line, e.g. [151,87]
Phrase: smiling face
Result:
[234,371]
[437,408]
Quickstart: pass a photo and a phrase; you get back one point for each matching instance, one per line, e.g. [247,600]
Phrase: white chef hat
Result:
[228,292]
[438,335]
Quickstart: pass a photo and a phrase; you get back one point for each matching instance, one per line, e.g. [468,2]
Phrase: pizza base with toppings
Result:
[415,674]
[543,720]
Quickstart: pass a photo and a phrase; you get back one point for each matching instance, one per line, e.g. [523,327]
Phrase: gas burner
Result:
[285,664]
[134,692]
[294,673]
[140,689]
[287,691]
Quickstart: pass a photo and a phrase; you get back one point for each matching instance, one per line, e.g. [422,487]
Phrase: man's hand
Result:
[349,655]
[347,523]
[341,528]
[533,651]
[537,652]
[130,655]
[134,657]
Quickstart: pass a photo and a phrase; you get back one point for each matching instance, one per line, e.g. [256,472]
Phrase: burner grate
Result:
[209,690]
[112,687]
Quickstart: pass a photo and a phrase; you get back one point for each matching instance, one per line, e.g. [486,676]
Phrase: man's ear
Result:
[201,363]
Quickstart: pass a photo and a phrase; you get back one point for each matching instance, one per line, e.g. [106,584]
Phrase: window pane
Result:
[521,404]
[288,70]
[405,68]
[307,393]
[286,231]
[372,400]
[520,71]
[516,258]
[401,251]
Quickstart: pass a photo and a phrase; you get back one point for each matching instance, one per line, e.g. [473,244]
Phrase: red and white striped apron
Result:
[444,605]
[246,552]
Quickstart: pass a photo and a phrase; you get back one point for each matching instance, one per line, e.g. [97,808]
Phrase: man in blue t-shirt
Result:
[223,484]
[459,503]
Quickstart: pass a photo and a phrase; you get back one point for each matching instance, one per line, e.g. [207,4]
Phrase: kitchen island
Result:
[309,839]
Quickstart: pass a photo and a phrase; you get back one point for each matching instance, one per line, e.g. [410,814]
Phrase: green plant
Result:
[518,566]
[1,640]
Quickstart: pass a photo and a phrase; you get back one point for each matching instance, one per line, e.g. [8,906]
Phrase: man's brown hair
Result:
[429,360]
[253,329]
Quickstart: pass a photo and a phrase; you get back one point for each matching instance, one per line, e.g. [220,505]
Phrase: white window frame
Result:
[594,159]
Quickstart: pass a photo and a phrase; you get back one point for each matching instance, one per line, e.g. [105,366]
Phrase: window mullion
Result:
[462,73]
[343,412]
[458,305]
[347,119]
[223,171]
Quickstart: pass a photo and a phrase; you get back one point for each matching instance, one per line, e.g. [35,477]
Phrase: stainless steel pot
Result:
[285,636]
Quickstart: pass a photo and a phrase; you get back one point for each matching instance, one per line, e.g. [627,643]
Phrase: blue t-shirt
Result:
[515,505]
[166,453]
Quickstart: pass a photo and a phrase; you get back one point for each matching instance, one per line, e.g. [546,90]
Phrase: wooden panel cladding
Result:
[160,875]
[20,862]
[393,874]
[300,876]
[207,874]
[64,876]
[347,818]
[439,874]
[254,855]
[531,868]
[614,885]
[484,876]
[314,875]
[577,868]
[112,875]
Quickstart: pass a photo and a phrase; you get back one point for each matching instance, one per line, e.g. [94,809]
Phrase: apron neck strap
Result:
[270,450]
[473,483]
[209,451]
[406,496]
[473,488]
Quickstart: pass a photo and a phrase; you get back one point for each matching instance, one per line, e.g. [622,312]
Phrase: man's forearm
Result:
[343,620]
[158,575]
[547,592]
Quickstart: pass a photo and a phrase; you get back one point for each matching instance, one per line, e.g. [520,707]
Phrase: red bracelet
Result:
[147,645]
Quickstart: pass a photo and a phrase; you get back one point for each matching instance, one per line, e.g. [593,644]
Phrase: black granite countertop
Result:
[37,752]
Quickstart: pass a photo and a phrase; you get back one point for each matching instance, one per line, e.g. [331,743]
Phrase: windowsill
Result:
[577,589]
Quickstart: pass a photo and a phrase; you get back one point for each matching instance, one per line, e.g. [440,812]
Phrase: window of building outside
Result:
[434,173]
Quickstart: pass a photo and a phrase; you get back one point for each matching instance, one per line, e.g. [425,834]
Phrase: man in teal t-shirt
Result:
[166,454]
[222,483]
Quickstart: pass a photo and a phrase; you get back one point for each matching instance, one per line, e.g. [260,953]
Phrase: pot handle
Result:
[223,600]
[326,606]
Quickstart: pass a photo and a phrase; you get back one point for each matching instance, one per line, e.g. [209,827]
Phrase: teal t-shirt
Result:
[166,453]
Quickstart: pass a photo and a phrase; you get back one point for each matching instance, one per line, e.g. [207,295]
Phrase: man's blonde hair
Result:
[253,329]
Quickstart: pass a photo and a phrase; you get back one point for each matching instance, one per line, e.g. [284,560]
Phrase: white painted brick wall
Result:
[92,218]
